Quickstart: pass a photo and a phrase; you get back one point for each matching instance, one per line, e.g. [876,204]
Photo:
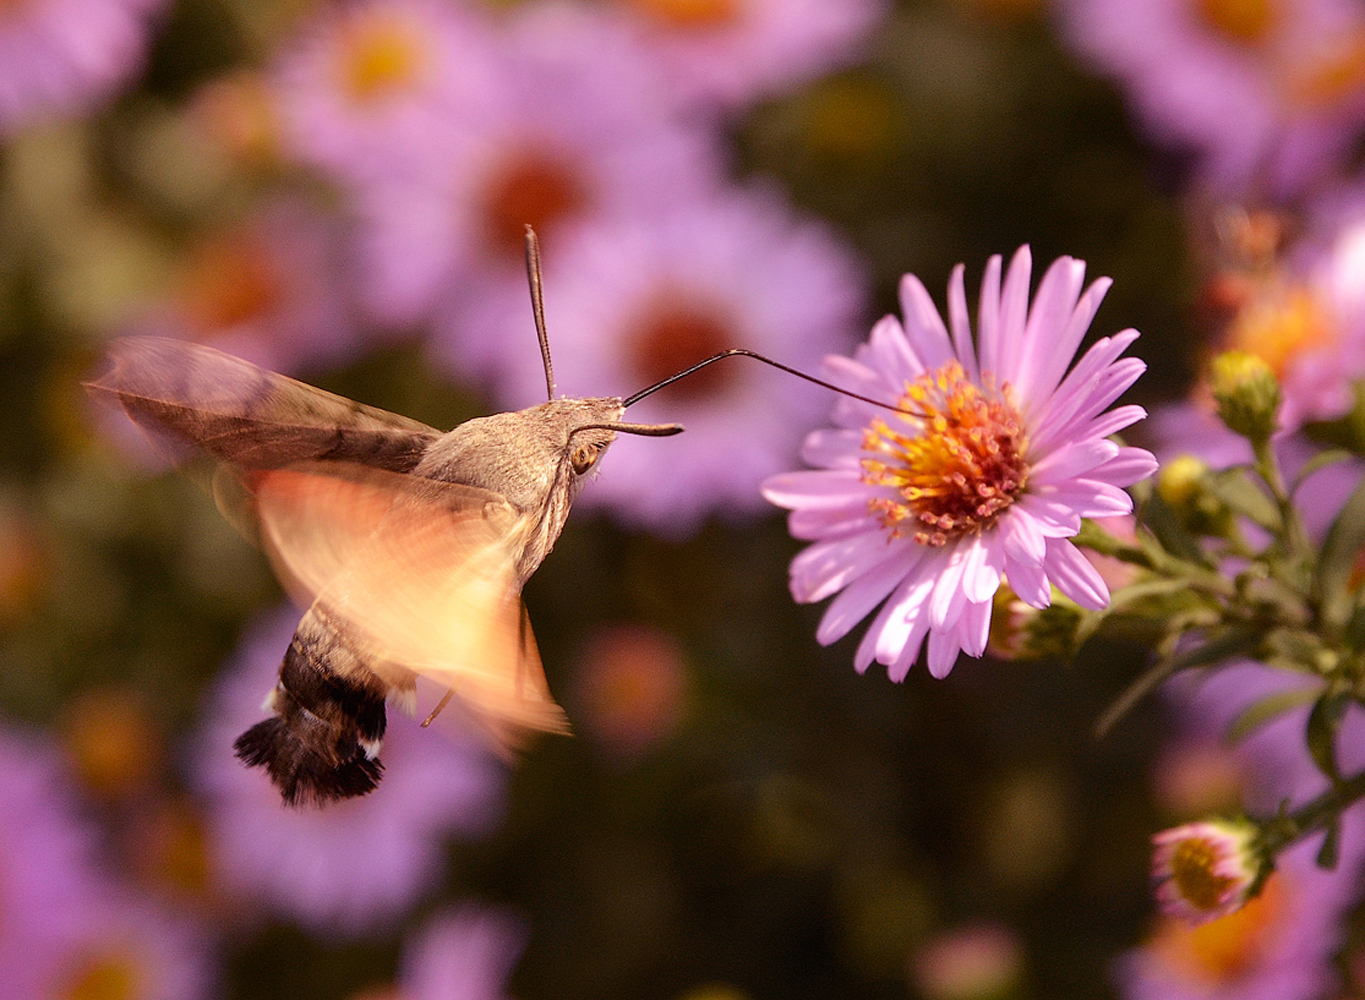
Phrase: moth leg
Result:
[445,700]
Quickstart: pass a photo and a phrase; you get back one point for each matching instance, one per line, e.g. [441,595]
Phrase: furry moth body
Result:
[407,546]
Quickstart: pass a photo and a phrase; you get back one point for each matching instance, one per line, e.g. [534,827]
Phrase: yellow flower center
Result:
[1278,327]
[1219,952]
[1246,22]
[964,465]
[689,13]
[380,56]
[1192,871]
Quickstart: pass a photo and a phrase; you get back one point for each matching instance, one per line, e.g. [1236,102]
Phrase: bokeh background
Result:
[335,190]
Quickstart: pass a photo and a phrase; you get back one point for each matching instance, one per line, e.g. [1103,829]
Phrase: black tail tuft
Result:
[304,774]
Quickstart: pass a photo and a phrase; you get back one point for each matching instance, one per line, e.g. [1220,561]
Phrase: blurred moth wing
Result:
[420,575]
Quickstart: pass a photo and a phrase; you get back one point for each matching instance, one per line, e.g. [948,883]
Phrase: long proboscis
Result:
[739,352]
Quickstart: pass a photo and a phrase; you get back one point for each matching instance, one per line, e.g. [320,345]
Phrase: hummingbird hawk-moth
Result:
[408,546]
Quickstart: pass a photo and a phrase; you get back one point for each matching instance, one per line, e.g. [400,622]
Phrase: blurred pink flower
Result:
[370,84]
[1005,456]
[64,57]
[729,53]
[579,126]
[1270,95]
[135,951]
[637,298]
[48,881]
[353,866]
[272,289]
[464,954]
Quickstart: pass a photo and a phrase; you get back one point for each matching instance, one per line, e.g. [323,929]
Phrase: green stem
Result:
[1317,814]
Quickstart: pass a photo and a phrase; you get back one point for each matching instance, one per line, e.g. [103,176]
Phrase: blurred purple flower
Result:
[463,954]
[64,57]
[370,84]
[356,865]
[47,879]
[729,53]
[1271,95]
[134,951]
[637,298]
[577,126]
[990,479]
[271,289]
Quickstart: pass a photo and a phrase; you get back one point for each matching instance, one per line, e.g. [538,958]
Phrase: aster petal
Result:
[923,325]
[829,566]
[1114,421]
[1029,583]
[988,317]
[1079,383]
[944,648]
[1091,498]
[822,488]
[1014,315]
[898,668]
[1075,576]
[893,354]
[905,623]
[945,603]
[1131,465]
[1042,348]
[960,324]
[981,576]
[1020,537]
[1051,518]
[861,596]
[1054,358]
[1071,460]
[1112,383]
[974,628]
[833,449]
[817,523]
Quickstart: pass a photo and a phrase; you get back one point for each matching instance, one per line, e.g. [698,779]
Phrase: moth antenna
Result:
[742,353]
[538,307]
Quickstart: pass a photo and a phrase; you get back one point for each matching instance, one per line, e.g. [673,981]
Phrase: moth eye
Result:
[583,458]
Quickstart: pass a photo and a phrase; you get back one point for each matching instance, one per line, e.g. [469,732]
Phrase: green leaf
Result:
[1245,496]
[1265,710]
[1162,525]
[1323,723]
[1337,560]
[1321,460]
[1236,641]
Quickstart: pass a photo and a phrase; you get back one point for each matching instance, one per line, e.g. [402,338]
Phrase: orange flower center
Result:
[380,56]
[1334,75]
[1192,871]
[689,13]
[1278,327]
[229,282]
[1219,952]
[963,467]
[676,331]
[1245,22]
[531,189]
[110,975]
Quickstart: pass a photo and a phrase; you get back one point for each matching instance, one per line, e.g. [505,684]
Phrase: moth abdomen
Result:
[322,744]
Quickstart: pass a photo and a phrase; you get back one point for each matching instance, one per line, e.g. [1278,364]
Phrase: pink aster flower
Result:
[1205,870]
[1272,94]
[987,476]
[577,126]
[63,57]
[637,298]
[369,84]
[357,865]
[727,53]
